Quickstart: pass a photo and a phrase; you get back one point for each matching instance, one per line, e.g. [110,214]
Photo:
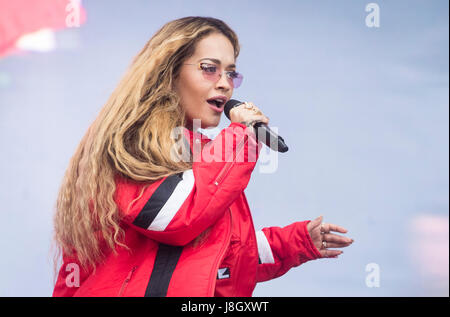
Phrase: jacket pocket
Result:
[232,254]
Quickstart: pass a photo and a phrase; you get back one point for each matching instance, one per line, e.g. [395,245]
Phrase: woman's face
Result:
[194,89]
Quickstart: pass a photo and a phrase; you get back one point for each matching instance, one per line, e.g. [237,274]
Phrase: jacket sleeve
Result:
[281,249]
[176,209]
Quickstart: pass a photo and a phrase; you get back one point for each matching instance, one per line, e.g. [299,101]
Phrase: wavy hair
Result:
[130,138]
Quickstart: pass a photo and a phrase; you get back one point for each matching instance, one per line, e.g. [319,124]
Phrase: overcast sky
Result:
[364,111]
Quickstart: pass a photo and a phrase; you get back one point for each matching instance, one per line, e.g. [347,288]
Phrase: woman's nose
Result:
[223,82]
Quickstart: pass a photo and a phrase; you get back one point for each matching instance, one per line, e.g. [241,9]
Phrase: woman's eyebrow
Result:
[215,60]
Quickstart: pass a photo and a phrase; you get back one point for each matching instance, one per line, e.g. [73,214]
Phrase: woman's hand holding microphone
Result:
[248,114]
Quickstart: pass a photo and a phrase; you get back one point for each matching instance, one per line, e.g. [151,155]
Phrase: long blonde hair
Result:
[131,138]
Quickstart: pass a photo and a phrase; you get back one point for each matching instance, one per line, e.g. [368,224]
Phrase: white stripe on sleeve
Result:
[173,204]
[264,250]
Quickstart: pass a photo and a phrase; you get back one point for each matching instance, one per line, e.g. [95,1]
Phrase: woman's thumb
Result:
[317,221]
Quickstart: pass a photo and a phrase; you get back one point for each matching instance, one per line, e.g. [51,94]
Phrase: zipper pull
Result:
[127,280]
[131,273]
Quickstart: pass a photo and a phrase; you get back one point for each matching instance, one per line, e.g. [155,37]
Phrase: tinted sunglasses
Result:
[211,72]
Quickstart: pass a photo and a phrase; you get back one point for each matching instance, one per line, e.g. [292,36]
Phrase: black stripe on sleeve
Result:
[165,263]
[157,201]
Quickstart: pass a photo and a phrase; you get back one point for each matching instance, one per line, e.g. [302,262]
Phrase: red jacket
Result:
[161,227]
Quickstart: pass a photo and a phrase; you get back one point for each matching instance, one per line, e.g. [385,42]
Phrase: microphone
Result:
[272,140]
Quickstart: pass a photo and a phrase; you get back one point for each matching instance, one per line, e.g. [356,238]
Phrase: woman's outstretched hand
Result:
[323,238]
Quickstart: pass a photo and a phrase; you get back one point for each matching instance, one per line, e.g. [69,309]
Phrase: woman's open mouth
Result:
[217,103]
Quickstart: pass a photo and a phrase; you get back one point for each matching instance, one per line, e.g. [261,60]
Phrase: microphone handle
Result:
[271,139]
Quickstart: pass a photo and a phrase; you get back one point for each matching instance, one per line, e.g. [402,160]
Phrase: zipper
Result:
[249,213]
[127,280]
[219,259]
[224,171]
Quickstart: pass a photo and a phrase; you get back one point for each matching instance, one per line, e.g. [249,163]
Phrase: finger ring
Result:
[248,106]
[324,244]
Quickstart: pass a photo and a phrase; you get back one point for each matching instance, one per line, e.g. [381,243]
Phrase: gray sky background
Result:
[364,111]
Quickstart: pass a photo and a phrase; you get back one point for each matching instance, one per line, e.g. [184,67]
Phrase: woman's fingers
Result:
[337,245]
[325,253]
[261,118]
[248,113]
[323,239]
[327,227]
[329,237]
[314,224]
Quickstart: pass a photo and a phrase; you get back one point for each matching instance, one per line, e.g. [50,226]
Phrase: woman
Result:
[135,218]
